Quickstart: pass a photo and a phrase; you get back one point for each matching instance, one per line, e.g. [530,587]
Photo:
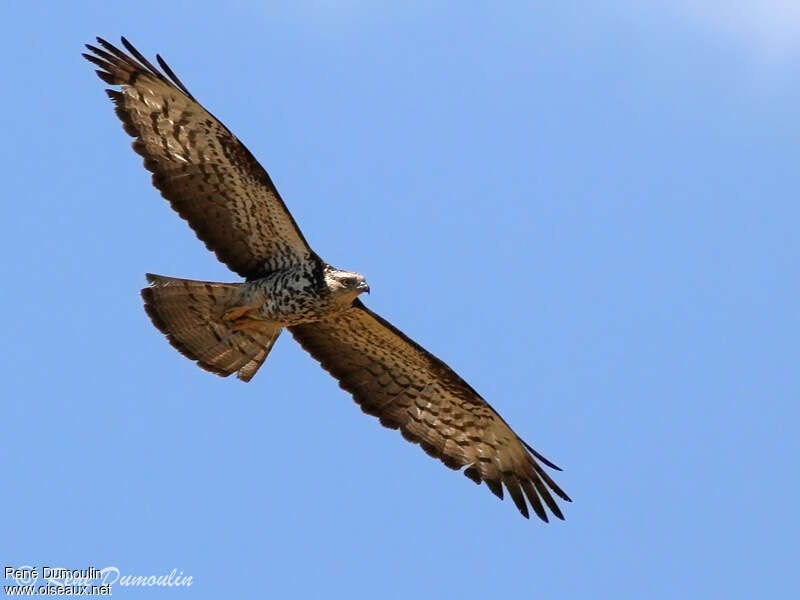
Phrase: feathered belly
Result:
[289,299]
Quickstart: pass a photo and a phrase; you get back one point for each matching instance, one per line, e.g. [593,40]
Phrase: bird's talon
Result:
[237,312]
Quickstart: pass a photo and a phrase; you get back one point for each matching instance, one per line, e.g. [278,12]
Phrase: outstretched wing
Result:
[205,172]
[398,381]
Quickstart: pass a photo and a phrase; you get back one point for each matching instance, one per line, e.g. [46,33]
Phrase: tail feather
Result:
[247,371]
[190,314]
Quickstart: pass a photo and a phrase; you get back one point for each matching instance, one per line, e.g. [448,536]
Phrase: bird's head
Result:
[345,286]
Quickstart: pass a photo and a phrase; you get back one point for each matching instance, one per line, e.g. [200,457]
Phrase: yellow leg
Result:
[247,324]
[237,312]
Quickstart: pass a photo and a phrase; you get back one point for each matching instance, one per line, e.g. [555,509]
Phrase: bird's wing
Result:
[406,387]
[205,172]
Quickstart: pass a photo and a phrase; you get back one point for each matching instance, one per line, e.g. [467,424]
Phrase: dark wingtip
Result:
[171,74]
[549,463]
[495,487]
[473,474]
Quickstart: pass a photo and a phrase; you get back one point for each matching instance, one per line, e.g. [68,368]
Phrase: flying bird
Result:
[213,182]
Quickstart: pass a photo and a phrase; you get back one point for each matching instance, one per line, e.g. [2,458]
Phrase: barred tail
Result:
[190,313]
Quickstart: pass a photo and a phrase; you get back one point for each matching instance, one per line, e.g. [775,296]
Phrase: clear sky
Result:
[590,212]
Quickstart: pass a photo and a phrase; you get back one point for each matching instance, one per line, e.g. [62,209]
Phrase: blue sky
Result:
[590,212]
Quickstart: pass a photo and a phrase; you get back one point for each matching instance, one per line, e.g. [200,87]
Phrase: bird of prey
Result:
[214,183]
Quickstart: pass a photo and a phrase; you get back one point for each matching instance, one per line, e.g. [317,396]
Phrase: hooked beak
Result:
[363,287]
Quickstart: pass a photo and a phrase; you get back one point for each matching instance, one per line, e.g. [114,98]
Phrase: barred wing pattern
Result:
[200,167]
[406,387]
[215,184]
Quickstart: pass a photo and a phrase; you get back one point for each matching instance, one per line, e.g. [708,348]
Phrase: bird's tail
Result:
[196,318]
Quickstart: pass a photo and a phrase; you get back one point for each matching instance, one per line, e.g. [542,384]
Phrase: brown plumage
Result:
[205,172]
[191,315]
[213,182]
[406,387]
